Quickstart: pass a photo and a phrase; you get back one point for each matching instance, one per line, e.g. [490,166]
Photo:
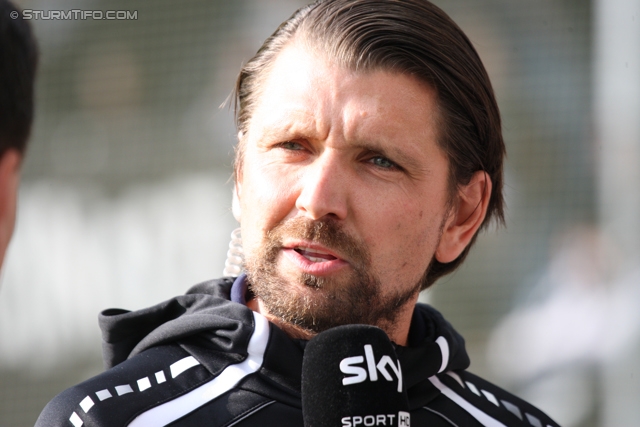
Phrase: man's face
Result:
[343,192]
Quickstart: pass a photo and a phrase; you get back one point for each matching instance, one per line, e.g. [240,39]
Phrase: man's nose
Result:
[324,189]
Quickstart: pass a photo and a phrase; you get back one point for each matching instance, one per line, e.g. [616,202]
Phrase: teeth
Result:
[314,255]
[302,248]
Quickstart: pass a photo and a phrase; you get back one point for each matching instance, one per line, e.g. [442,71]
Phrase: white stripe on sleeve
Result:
[228,378]
[476,413]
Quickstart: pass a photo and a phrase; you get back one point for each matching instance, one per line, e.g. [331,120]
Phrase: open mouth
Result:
[314,255]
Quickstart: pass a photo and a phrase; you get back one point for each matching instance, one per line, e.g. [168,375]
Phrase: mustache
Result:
[327,232]
[356,299]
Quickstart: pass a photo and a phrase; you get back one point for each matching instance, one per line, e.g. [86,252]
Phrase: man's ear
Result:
[9,181]
[465,217]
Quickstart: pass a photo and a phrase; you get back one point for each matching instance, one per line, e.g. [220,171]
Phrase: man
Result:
[18,60]
[369,156]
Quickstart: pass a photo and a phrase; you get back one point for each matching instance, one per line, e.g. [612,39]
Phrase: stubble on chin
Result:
[314,304]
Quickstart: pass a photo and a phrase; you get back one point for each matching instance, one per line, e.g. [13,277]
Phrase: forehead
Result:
[302,86]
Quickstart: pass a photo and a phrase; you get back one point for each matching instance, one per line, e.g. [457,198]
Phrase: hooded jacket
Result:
[205,359]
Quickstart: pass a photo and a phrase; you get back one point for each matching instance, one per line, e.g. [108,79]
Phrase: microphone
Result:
[351,377]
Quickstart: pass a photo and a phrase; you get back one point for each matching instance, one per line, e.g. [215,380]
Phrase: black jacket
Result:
[201,359]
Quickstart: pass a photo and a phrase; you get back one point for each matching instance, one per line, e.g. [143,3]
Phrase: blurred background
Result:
[126,193]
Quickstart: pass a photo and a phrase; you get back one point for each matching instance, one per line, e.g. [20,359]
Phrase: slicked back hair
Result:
[18,62]
[412,37]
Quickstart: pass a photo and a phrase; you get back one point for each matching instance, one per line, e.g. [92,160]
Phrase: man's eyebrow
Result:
[283,129]
[272,133]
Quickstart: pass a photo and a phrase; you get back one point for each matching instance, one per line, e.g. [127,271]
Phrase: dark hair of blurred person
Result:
[18,62]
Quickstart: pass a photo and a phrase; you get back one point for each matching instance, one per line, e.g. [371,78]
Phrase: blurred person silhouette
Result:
[579,317]
[370,155]
[18,62]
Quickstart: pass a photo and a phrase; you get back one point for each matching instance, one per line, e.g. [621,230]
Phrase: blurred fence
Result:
[126,200]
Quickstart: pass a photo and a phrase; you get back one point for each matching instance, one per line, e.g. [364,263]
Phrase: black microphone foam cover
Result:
[351,377]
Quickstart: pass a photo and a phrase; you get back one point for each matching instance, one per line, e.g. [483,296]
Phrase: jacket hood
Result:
[203,317]
[204,320]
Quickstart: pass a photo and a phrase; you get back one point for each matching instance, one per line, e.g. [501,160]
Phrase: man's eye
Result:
[383,162]
[291,145]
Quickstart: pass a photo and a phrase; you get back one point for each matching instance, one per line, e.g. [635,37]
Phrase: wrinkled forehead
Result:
[308,98]
[301,67]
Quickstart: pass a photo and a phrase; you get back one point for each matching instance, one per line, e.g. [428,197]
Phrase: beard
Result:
[314,303]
